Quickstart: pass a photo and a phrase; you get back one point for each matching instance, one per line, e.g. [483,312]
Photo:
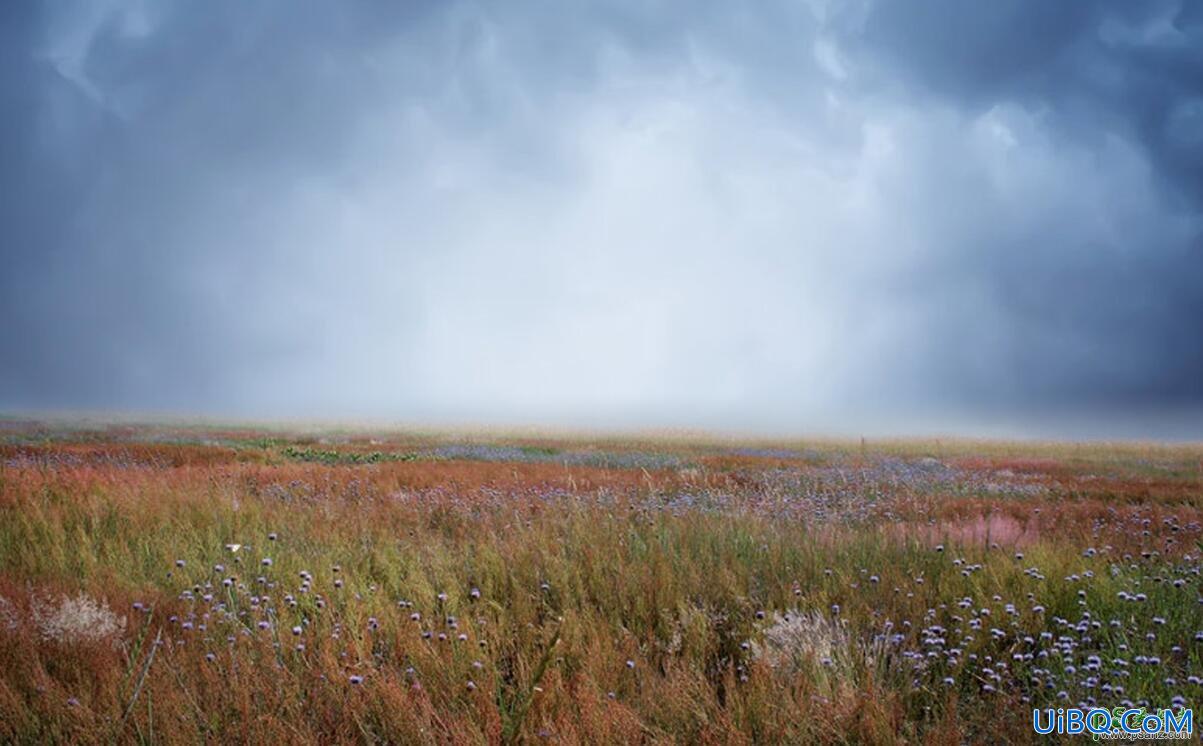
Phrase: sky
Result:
[860,216]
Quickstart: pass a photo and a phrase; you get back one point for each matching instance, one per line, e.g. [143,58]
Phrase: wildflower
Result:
[630,664]
[78,619]
[356,680]
[296,630]
[266,562]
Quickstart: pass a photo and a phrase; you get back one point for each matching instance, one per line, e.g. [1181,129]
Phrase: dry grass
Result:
[698,591]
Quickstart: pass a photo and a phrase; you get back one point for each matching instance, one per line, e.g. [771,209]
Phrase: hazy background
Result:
[798,216]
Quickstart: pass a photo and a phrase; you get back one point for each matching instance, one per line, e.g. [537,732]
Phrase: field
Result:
[181,584]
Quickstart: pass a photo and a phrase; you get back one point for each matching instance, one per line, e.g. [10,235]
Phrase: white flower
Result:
[79,619]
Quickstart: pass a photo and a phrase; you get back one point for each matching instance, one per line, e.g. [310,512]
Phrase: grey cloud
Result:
[801,215]
[1102,77]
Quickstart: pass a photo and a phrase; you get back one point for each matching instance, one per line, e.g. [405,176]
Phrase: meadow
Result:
[176,584]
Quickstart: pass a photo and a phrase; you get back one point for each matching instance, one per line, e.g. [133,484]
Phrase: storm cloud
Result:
[803,215]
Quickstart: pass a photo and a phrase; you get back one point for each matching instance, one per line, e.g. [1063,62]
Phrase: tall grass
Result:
[565,605]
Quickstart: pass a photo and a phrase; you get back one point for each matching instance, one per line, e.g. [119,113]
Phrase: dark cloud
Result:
[1128,69]
[840,215]
[1097,74]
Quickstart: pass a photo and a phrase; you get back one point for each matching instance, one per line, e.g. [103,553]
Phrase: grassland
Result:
[186,584]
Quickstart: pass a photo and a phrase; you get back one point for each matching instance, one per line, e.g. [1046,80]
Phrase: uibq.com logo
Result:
[1120,723]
